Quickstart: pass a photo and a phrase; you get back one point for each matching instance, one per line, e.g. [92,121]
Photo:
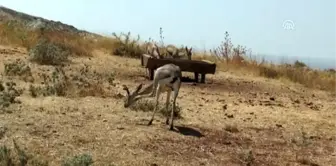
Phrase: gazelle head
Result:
[131,97]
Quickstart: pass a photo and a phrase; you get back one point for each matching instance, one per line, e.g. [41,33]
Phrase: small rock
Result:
[229,115]
[314,137]
[272,98]
[297,101]
[105,120]
[309,103]
[221,100]
[225,107]
[278,125]
[29,123]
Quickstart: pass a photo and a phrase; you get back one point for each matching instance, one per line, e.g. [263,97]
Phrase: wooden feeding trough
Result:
[195,66]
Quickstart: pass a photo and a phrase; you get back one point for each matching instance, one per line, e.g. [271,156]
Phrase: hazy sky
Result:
[257,24]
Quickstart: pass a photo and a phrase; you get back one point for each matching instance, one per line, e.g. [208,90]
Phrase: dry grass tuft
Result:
[149,105]
[231,128]
[306,161]
[18,156]
[78,160]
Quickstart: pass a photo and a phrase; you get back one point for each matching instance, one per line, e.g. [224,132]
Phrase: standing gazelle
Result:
[167,78]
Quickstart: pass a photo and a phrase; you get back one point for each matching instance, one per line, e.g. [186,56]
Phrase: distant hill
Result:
[34,22]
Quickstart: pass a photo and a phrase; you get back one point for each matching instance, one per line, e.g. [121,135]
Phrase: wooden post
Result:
[151,74]
[141,58]
[196,77]
[203,78]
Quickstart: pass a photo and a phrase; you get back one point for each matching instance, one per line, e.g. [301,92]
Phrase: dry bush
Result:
[89,82]
[55,84]
[246,157]
[86,82]
[18,68]
[46,52]
[149,105]
[8,94]
[299,73]
[268,72]
[127,46]
[17,156]
[229,53]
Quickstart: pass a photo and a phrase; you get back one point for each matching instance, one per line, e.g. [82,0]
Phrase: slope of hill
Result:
[34,22]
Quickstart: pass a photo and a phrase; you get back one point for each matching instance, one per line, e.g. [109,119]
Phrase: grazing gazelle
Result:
[167,78]
[153,50]
[174,52]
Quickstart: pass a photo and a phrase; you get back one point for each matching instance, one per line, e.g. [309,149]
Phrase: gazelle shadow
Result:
[187,131]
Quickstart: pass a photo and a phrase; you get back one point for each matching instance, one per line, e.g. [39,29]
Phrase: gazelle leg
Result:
[157,95]
[173,110]
[167,105]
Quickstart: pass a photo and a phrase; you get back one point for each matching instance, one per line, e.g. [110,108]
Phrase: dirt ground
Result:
[230,120]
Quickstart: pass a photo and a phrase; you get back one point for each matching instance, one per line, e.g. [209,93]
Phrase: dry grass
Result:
[227,56]
[14,33]
[57,111]
[235,120]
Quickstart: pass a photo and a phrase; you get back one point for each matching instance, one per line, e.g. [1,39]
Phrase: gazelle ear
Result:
[138,88]
[190,49]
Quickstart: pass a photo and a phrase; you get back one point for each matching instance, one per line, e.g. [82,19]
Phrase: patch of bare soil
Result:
[230,120]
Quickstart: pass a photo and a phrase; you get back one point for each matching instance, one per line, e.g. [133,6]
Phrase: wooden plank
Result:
[184,64]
